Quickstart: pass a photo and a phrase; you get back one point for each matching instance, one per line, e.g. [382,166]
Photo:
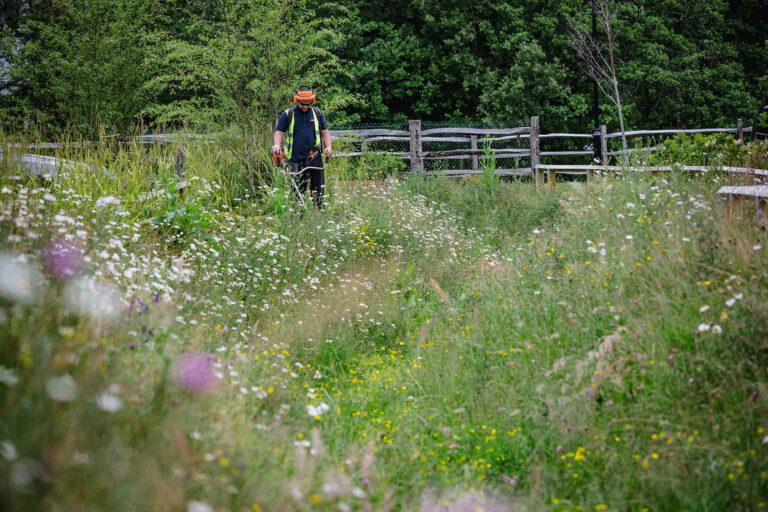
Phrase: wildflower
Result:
[757,247]
[510,480]
[8,450]
[104,201]
[17,279]
[702,309]
[89,297]
[109,402]
[730,302]
[195,373]
[62,259]
[198,506]
[629,237]
[703,327]
[8,376]
[316,411]
[61,389]
[717,329]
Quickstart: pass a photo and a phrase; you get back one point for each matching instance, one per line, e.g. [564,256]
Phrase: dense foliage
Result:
[107,64]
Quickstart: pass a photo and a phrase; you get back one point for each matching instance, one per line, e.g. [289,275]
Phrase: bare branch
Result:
[600,67]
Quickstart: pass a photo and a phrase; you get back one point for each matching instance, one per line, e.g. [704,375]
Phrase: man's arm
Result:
[327,148]
[277,141]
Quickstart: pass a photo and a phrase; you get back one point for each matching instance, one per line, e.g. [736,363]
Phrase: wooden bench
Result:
[741,196]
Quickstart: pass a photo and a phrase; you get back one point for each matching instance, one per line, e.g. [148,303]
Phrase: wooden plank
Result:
[460,140]
[516,137]
[565,135]
[353,154]
[475,156]
[372,139]
[754,192]
[385,139]
[647,133]
[523,171]
[566,153]
[50,167]
[369,133]
[478,152]
[464,156]
[475,131]
[662,168]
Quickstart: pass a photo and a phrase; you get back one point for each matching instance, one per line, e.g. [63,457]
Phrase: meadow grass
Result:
[425,344]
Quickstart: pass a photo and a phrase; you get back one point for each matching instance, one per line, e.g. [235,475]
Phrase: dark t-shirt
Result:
[303,131]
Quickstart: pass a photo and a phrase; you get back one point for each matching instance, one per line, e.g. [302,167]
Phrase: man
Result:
[303,133]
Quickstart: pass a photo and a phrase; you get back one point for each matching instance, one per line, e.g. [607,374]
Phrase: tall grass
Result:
[429,344]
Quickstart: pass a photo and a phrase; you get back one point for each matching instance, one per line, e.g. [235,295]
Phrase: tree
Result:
[239,71]
[689,64]
[77,64]
[601,63]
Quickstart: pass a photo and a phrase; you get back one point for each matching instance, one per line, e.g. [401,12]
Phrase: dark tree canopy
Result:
[104,64]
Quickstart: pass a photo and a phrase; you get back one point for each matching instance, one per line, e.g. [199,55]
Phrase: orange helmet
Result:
[304,94]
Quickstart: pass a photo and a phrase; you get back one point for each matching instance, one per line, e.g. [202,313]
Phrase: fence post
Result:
[536,152]
[475,158]
[414,127]
[604,143]
[740,130]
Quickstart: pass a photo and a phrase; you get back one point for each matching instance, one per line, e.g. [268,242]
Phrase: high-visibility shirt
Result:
[302,132]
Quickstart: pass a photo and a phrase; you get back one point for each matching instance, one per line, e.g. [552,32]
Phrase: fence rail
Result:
[436,146]
[479,143]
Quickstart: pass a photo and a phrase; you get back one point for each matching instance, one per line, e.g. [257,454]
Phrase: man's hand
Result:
[275,149]
[327,152]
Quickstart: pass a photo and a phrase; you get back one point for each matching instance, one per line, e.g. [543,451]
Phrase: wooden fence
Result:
[475,138]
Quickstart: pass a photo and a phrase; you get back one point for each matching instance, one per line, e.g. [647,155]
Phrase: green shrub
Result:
[710,150]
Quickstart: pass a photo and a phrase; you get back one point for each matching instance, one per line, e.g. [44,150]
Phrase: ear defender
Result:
[304,94]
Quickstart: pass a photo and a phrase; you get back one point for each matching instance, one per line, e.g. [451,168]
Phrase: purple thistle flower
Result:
[511,480]
[194,372]
[62,259]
